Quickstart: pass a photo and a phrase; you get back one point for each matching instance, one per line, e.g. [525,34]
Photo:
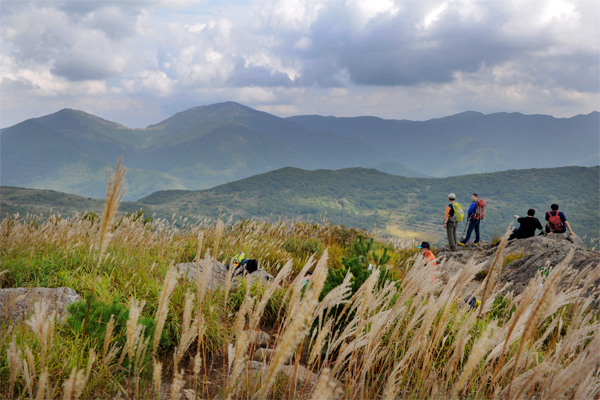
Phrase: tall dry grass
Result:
[410,338]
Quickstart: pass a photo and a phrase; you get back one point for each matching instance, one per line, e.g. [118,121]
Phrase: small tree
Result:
[358,265]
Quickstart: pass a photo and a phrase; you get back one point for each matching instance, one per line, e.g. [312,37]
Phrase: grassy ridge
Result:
[367,198]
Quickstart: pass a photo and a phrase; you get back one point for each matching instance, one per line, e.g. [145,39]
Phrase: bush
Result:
[99,316]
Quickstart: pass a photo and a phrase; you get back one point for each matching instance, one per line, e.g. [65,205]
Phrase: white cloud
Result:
[150,82]
[398,59]
[303,43]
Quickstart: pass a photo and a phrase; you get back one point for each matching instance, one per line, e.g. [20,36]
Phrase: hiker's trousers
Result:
[451,232]
[473,225]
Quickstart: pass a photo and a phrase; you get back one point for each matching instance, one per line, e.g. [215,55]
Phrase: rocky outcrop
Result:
[219,274]
[525,257]
[17,304]
[188,271]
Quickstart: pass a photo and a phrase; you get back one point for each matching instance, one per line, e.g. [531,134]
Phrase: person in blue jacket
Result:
[474,222]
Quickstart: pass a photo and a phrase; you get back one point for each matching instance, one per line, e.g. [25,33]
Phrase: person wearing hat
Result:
[429,256]
[426,251]
[450,223]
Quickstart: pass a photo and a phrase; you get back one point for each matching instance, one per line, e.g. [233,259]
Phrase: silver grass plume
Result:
[297,327]
[163,304]
[14,364]
[114,195]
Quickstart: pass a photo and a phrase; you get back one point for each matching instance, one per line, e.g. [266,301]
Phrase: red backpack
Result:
[555,221]
[480,211]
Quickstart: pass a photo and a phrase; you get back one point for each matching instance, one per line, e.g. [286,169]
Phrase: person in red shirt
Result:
[429,256]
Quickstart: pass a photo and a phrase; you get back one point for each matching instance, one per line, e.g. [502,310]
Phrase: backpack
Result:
[246,265]
[459,214]
[555,221]
[480,211]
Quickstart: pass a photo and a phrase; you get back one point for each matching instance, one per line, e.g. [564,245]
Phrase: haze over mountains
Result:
[202,147]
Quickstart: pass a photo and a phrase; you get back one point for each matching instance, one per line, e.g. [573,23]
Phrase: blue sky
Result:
[137,63]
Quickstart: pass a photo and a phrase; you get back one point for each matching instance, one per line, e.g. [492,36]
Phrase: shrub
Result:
[99,316]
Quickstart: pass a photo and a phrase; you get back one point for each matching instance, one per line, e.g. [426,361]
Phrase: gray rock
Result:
[300,373]
[265,355]
[219,274]
[188,271]
[17,304]
[259,338]
[537,252]
[255,369]
[255,366]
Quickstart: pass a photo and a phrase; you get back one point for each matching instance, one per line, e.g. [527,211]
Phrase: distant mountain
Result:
[319,149]
[396,204]
[396,168]
[512,140]
[206,146]
[33,155]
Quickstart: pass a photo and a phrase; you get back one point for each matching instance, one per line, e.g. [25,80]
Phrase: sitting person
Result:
[527,226]
[557,222]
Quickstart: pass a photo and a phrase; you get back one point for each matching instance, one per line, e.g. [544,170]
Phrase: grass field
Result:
[144,332]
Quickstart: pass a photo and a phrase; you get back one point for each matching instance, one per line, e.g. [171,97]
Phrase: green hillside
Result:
[367,198]
[43,202]
[403,206]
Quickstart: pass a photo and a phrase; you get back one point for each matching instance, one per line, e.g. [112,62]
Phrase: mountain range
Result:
[72,151]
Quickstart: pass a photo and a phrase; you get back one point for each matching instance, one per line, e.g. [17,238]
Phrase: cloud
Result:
[149,82]
[383,57]
[428,43]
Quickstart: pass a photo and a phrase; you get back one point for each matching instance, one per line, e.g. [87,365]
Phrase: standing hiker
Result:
[556,221]
[454,214]
[527,226]
[475,214]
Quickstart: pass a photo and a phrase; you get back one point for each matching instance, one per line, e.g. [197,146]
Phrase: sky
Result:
[138,63]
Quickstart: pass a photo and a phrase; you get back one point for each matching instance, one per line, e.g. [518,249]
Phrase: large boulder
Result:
[219,274]
[528,256]
[17,304]
[219,271]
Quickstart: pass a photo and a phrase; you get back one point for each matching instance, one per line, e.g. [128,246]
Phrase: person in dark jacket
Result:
[474,222]
[527,226]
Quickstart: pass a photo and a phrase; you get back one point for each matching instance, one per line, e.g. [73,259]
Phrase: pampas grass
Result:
[163,304]
[406,338]
[114,195]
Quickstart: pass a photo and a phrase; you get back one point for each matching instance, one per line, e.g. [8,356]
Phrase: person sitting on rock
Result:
[527,226]
[556,222]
